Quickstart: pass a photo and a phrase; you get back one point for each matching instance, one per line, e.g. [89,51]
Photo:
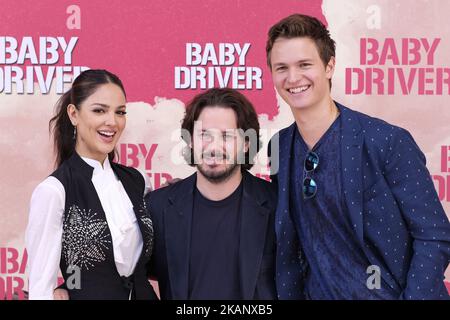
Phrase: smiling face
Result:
[217,145]
[100,120]
[298,73]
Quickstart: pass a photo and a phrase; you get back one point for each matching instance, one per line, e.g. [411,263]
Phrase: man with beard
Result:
[214,231]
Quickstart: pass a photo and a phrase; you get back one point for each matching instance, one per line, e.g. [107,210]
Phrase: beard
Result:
[216,176]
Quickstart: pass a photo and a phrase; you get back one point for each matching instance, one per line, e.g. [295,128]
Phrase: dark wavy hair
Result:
[246,115]
[60,125]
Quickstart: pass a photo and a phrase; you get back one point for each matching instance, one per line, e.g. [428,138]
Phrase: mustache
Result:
[215,154]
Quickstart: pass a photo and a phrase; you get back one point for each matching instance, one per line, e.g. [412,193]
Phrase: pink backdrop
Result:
[144,42]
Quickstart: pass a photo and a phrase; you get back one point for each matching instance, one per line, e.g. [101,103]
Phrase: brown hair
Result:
[299,25]
[247,119]
[60,125]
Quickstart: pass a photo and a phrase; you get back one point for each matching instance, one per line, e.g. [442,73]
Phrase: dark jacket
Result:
[392,204]
[171,210]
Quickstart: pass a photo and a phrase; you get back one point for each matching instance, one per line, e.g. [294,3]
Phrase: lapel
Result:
[351,155]
[284,156]
[254,219]
[177,223]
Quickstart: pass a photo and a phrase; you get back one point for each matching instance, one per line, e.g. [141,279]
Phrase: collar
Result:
[87,166]
[98,167]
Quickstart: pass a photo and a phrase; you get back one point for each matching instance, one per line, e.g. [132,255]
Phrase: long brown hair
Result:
[60,125]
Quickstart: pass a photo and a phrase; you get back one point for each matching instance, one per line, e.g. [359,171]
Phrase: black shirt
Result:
[213,267]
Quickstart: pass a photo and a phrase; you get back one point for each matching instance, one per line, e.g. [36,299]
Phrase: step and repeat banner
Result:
[392,62]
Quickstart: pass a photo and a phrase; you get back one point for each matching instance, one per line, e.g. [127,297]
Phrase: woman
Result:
[88,218]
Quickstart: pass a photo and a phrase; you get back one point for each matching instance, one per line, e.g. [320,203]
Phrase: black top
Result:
[213,267]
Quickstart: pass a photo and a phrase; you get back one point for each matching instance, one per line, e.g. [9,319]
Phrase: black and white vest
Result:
[86,240]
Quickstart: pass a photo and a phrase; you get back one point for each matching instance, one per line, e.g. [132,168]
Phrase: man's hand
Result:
[60,294]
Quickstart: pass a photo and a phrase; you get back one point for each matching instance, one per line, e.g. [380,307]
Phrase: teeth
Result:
[298,89]
[107,133]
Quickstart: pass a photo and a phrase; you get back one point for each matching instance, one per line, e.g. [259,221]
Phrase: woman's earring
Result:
[74,133]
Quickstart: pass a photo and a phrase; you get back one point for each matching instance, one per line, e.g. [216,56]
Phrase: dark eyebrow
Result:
[106,106]
[299,61]
[221,131]
[100,104]
[278,64]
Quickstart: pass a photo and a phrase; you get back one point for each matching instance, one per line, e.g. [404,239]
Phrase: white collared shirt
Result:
[45,227]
